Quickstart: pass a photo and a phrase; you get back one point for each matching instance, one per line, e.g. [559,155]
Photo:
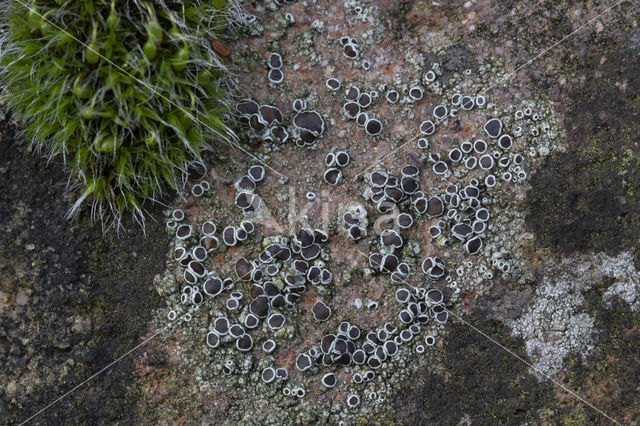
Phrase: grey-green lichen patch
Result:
[627,279]
[239,373]
[556,324]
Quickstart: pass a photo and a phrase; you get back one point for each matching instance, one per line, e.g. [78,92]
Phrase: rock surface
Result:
[71,302]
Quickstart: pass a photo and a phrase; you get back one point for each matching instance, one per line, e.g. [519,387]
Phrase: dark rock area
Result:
[72,300]
[483,383]
[587,198]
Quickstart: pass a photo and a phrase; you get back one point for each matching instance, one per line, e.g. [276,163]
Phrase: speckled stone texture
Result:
[556,281]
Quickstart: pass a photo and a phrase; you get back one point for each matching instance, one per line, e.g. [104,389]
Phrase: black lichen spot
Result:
[493,127]
[311,121]
[575,204]
[588,198]
[483,382]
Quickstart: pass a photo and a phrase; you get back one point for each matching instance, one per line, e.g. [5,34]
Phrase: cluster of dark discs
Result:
[355,106]
[200,188]
[488,157]
[266,119]
[476,154]
[387,260]
[246,199]
[274,63]
[197,242]
[397,194]
[268,123]
[276,282]
[350,47]
[459,209]
[335,161]
[349,346]
[355,222]
[273,283]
